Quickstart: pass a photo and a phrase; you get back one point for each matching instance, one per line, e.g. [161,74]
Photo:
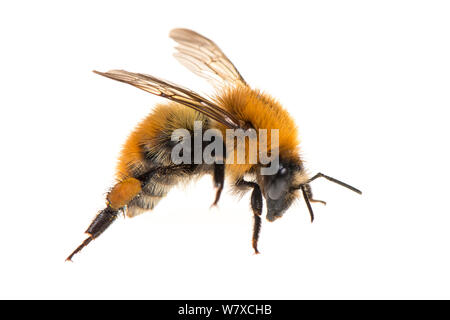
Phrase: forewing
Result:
[203,57]
[175,93]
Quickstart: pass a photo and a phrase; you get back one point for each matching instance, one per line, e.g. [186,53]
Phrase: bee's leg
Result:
[318,201]
[119,196]
[310,195]
[219,178]
[256,204]
[101,222]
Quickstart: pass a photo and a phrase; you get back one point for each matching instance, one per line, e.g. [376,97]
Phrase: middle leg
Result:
[219,178]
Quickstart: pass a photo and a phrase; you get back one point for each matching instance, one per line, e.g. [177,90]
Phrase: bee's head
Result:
[281,189]
[285,185]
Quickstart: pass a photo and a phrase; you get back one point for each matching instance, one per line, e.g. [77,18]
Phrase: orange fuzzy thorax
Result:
[261,111]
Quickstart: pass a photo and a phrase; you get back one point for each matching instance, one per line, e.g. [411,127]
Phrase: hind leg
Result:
[119,196]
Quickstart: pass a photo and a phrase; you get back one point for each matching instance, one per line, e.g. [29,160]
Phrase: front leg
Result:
[256,204]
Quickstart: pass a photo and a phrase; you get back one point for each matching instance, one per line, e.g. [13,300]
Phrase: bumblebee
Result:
[146,170]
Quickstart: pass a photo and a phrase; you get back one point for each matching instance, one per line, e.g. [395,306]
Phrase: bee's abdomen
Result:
[146,155]
[155,186]
[150,144]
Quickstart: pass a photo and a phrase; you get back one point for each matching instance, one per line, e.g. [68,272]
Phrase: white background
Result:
[366,81]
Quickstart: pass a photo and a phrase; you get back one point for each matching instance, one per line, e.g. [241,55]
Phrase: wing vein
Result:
[205,58]
[175,93]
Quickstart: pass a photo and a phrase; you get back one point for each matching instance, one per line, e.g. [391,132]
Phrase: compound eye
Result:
[277,188]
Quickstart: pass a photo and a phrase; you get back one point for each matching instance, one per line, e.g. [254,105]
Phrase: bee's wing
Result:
[204,58]
[175,93]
